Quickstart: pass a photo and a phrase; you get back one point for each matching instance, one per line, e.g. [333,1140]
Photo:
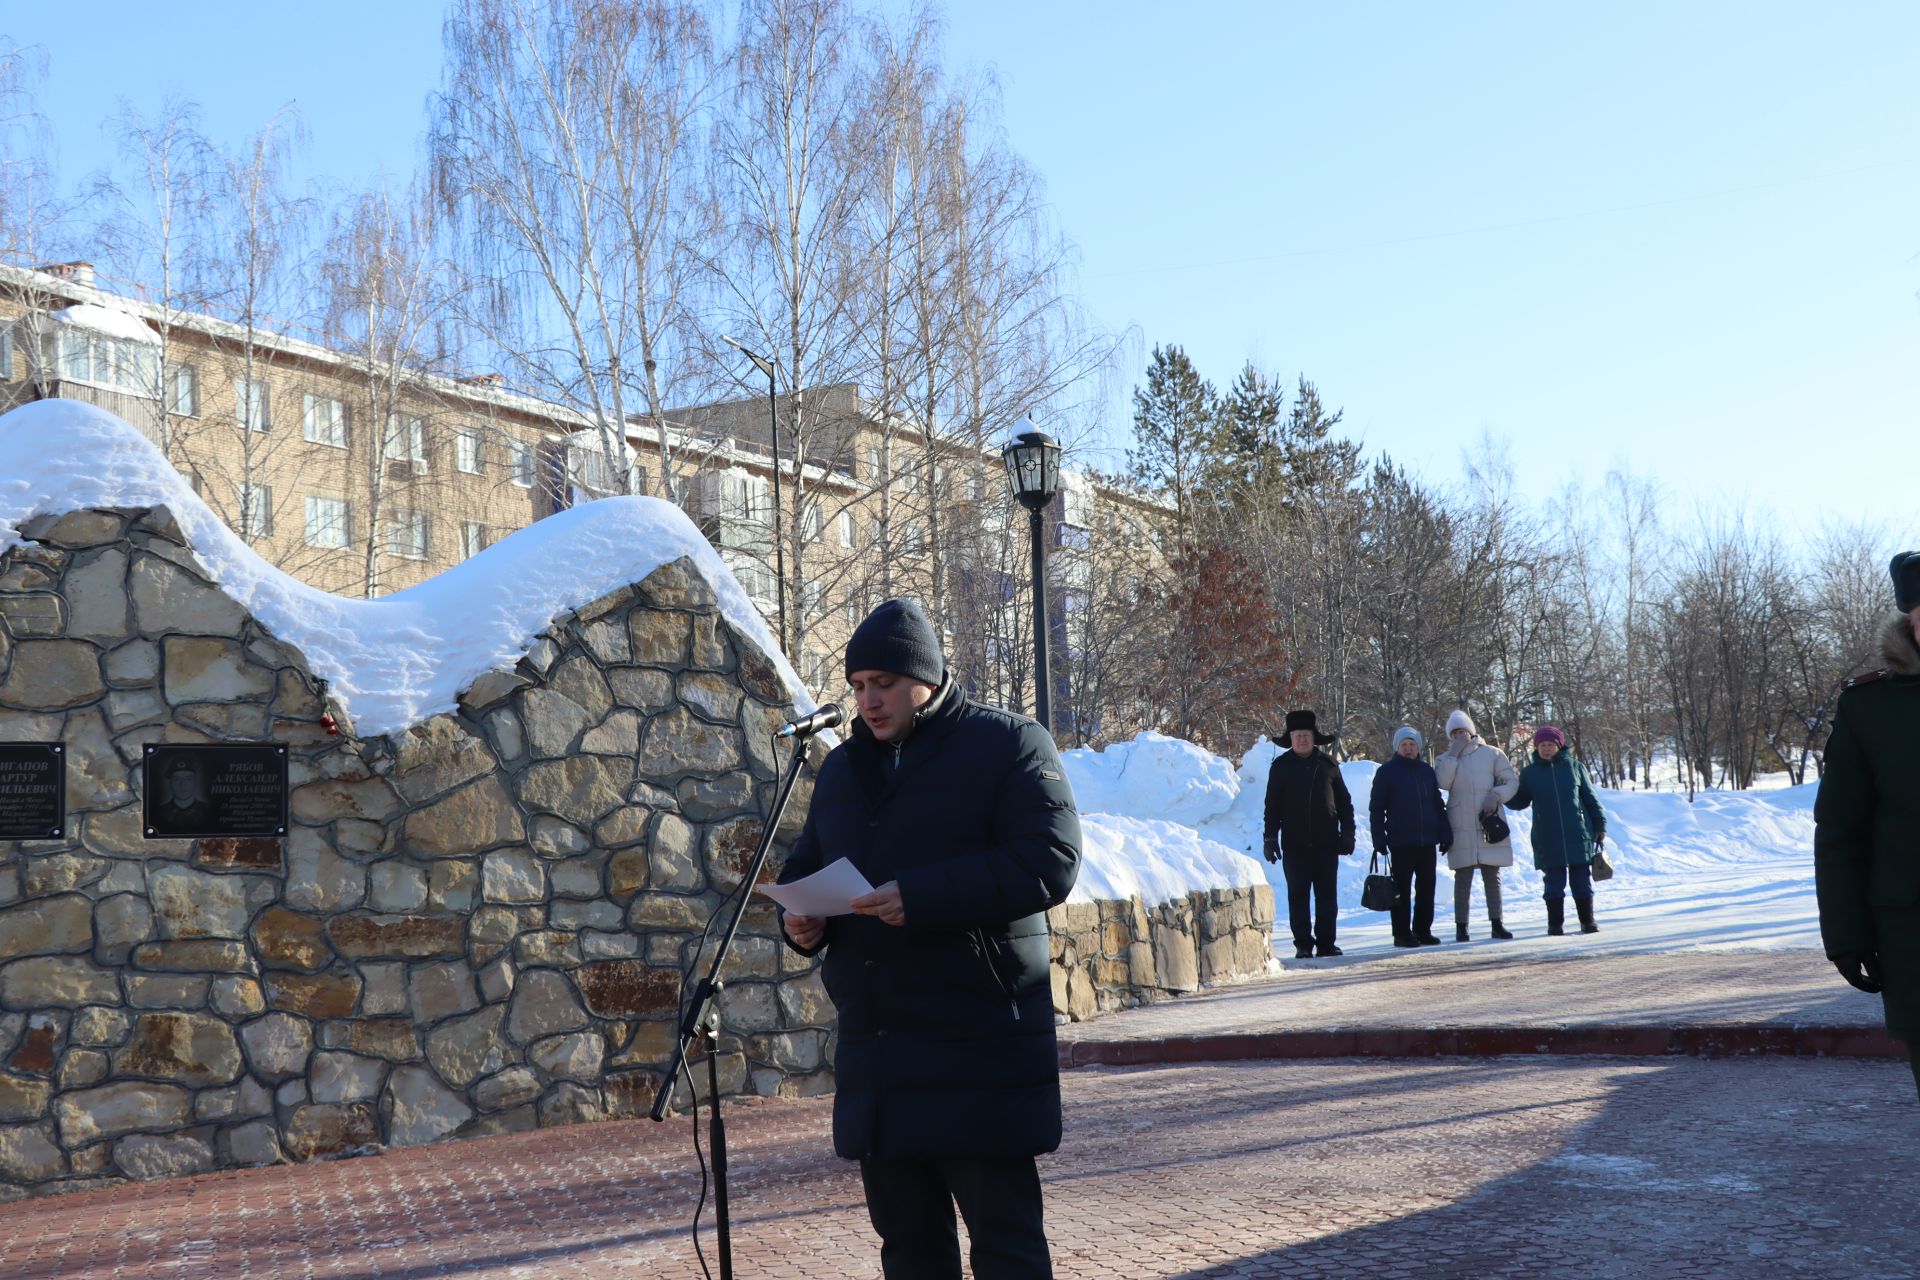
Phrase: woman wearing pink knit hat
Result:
[1569,826]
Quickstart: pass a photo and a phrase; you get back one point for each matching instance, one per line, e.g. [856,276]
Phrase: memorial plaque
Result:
[33,791]
[214,790]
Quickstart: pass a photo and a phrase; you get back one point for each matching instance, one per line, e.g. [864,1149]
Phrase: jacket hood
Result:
[1898,647]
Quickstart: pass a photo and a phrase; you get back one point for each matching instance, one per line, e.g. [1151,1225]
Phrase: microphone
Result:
[826,717]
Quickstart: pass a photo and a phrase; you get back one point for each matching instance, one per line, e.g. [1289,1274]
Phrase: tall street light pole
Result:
[779,540]
[1033,476]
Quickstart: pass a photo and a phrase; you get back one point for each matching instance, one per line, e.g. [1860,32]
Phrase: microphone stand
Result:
[703,1019]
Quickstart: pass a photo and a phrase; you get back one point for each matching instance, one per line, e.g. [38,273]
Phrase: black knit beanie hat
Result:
[897,637]
[1906,579]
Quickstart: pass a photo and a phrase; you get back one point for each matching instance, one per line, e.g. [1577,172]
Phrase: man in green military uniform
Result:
[1866,844]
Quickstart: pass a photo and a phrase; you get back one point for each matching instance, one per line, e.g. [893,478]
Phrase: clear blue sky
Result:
[1679,237]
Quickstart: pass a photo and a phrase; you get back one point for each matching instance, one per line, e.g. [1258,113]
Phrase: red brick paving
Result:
[1597,1167]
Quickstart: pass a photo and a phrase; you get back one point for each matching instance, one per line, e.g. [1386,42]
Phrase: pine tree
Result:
[1249,460]
[1312,454]
[1175,427]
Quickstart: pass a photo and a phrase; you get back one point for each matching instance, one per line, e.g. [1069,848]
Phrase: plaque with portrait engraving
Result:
[214,790]
[33,791]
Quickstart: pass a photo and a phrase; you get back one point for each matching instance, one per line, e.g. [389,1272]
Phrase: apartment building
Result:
[366,479]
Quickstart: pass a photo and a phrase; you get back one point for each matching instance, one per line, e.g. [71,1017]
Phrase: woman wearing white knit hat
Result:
[1477,779]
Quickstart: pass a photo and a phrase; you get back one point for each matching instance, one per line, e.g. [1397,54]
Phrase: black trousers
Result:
[911,1205]
[1317,874]
[1413,866]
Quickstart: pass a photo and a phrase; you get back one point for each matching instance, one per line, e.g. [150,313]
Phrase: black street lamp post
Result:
[779,541]
[1033,475]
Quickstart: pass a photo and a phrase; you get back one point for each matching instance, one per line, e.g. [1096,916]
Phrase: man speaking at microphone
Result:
[948,1083]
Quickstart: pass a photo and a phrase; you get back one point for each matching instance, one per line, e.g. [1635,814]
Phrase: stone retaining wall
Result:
[477,926]
[1118,954]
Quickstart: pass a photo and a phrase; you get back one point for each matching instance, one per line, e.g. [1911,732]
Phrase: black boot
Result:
[1497,930]
[1585,907]
[1460,931]
[1556,917]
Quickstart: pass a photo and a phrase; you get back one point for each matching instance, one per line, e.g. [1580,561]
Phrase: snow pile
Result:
[1155,861]
[1729,869]
[1140,803]
[394,661]
[1153,775]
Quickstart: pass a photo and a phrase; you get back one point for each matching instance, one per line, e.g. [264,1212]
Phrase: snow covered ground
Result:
[394,661]
[1729,871]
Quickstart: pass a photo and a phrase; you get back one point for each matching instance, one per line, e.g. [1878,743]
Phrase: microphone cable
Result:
[686,1066]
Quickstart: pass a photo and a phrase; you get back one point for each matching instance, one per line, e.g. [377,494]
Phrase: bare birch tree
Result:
[564,143]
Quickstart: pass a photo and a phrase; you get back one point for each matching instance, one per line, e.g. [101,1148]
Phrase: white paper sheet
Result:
[827,892]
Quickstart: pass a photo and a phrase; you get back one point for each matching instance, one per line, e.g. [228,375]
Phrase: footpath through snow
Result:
[1725,871]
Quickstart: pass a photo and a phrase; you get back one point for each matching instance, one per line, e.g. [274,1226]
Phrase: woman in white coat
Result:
[1477,779]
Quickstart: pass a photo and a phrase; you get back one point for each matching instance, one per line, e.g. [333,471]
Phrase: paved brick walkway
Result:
[1489,998]
[1569,1167]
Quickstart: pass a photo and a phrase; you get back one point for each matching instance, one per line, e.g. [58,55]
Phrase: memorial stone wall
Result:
[476,926]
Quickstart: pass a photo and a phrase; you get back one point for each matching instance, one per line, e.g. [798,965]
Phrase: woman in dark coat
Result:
[1408,819]
[1866,859]
[1568,825]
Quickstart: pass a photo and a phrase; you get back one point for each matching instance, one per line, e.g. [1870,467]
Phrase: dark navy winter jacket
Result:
[1405,807]
[946,1045]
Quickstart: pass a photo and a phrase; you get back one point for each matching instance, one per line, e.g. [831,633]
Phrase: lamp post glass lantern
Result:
[1033,476]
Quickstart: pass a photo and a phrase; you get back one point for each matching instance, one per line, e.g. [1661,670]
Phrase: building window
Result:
[256,510]
[473,539]
[811,594]
[846,528]
[466,451]
[325,421]
[913,538]
[250,404]
[183,390]
[6,353]
[757,581]
[520,461]
[406,440]
[118,364]
[812,525]
[873,464]
[590,471]
[852,613]
[820,674]
[327,522]
[407,535]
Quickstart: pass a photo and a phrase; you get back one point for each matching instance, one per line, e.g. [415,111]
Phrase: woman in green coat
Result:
[1569,826]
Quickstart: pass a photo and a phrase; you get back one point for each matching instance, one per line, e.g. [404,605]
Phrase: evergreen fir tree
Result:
[1175,428]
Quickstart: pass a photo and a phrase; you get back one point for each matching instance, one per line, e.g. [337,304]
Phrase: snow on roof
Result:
[108,320]
[395,661]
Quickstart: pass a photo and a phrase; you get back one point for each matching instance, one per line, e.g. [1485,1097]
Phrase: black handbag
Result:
[1494,828]
[1377,893]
